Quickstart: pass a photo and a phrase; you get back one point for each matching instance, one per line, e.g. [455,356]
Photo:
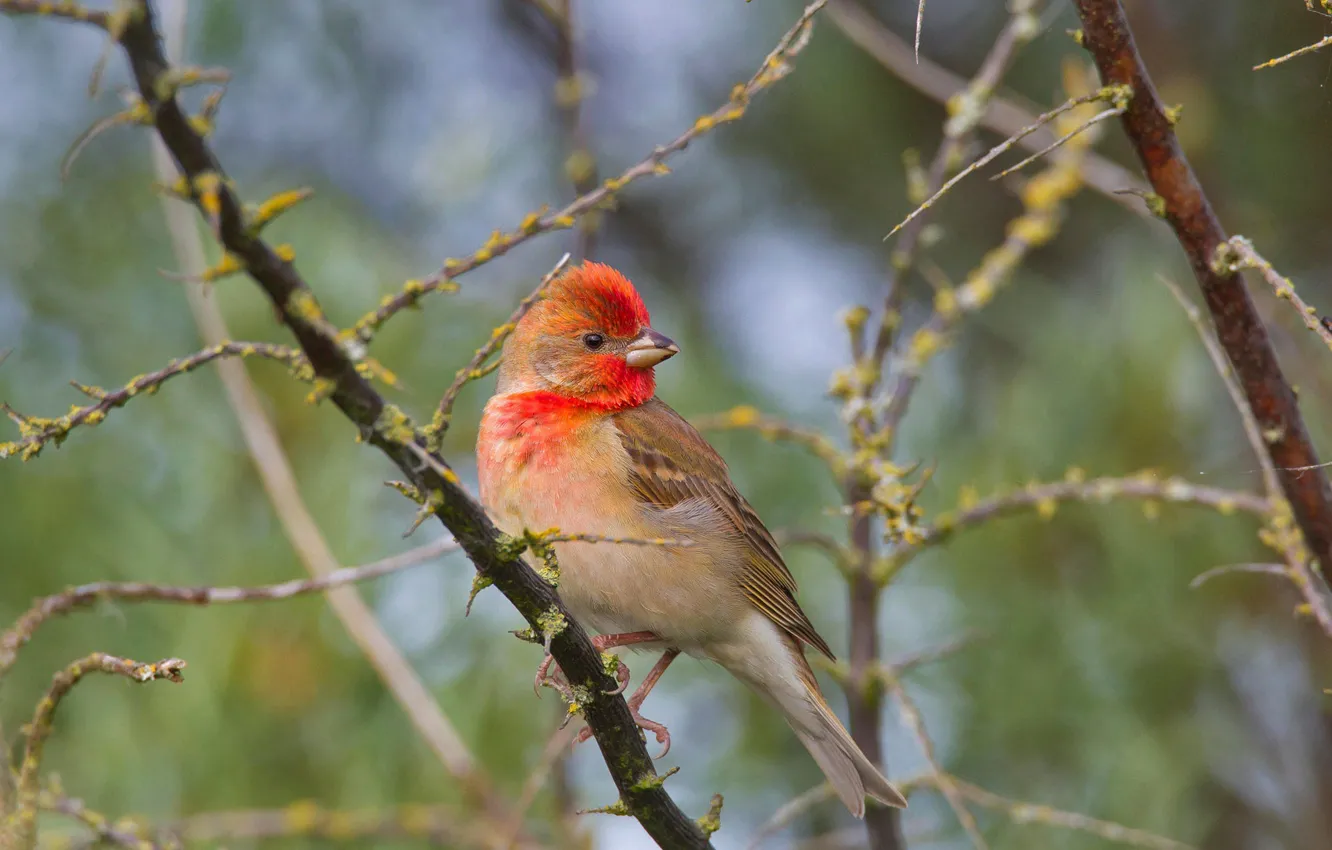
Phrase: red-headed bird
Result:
[575,437]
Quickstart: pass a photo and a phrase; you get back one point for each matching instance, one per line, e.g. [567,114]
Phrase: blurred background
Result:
[1098,681]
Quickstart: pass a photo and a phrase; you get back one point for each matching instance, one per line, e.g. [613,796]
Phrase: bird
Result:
[575,438]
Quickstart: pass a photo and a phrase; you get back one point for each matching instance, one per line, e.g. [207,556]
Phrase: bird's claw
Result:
[546,678]
[622,677]
[662,734]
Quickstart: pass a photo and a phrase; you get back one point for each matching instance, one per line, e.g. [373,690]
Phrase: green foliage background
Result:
[1099,682]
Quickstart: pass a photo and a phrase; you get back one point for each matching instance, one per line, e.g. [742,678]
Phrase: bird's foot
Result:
[604,642]
[545,677]
[662,734]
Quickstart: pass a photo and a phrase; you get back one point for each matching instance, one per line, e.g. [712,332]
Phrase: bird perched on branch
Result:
[576,438]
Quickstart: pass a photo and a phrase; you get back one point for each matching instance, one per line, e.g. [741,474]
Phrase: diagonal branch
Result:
[38,431]
[279,479]
[775,66]
[334,357]
[477,367]
[1239,328]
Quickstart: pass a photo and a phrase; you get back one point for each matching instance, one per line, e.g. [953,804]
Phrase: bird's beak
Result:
[649,348]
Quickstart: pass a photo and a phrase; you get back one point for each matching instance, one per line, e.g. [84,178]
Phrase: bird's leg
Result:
[556,680]
[649,682]
[605,642]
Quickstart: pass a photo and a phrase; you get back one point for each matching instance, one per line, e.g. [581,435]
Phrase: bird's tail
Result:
[850,773]
[774,665]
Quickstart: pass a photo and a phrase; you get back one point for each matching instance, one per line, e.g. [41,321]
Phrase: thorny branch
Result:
[1240,330]
[998,114]
[334,358]
[24,820]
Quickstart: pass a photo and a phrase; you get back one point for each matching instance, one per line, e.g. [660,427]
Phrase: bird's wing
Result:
[670,462]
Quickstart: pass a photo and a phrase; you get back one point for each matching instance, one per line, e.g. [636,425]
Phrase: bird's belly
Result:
[671,591]
[677,592]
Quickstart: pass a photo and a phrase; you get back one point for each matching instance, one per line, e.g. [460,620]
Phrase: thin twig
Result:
[942,780]
[930,654]
[1020,812]
[1113,112]
[789,811]
[920,22]
[1044,499]
[776,66]
[434,824]
[1226,569]
[580,164]
[1105,94]
[1043,199]
[746,417]
[29,784]
[474,368]
[1238,253]
[971,101]
[47,8]
[38,431]
[1271,483]
[104,831]
[1318,45]
[1298,568]
[998,114]
[85,595]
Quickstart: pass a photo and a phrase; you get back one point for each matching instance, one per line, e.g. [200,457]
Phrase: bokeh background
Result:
[1099,681]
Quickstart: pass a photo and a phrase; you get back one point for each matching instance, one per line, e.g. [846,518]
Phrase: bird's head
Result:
[587,339]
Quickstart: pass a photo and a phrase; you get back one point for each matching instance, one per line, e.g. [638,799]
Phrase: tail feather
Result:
[773,663]
[851,774]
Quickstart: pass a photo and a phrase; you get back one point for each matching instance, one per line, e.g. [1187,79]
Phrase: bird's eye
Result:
[593,341]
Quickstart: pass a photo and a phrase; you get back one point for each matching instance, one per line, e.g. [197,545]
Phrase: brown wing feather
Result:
[671,462]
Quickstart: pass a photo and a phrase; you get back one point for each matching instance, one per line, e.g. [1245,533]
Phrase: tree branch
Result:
[275,470]
[334,357]
[38,431]
[776,66]
[24,820]
[1239,328]
[1044,499]
[133,591]
[998,114]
